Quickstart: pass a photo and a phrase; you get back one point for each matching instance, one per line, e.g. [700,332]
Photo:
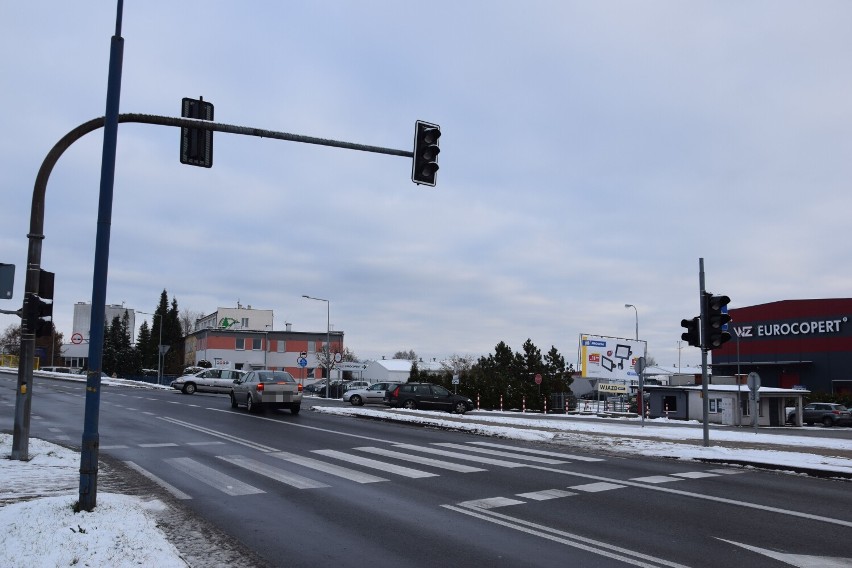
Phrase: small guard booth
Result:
[729,404]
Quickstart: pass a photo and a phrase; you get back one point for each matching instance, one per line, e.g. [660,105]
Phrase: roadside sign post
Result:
[639,367]
[753,382]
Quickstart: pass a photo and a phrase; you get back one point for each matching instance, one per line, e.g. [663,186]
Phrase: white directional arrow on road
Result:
[798,560]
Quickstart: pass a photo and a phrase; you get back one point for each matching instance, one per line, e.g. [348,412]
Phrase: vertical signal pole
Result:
[705,391]
[90,443]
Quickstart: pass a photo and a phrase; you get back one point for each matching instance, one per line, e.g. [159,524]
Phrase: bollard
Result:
[524,404]
[501,403]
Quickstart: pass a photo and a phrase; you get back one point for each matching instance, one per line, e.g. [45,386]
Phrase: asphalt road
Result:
[315,489]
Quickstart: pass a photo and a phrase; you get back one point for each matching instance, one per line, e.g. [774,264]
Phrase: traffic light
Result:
[7,280]
[37,314]
[38,308]
[692,334]
[716,319]
[196,145]
[424,168]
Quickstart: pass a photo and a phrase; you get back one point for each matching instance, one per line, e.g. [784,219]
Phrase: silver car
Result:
[207,380]
[374,394]
[259,390]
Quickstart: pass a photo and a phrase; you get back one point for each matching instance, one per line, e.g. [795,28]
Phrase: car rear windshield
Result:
[275,376]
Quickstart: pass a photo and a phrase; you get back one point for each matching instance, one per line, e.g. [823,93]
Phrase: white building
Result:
[239,318]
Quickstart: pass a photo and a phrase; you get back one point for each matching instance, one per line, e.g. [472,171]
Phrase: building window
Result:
[282,346]
[312,346]
[245,323]
[669,404]
[715,405]
[256,344]
[241,343]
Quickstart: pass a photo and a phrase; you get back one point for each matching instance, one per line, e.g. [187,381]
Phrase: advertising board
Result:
[609,358]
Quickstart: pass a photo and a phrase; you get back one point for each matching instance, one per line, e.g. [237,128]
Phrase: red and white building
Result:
[791,343]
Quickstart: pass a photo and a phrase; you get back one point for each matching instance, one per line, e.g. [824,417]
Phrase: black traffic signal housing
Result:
[196,145]
[38,314]
[424,166]
[692,335]
[38,308]
[716,319]
[7,281]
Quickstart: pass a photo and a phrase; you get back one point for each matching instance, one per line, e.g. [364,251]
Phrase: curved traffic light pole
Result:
[23,399]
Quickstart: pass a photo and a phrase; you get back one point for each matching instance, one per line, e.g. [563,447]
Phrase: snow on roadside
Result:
[41,529]
[625,438]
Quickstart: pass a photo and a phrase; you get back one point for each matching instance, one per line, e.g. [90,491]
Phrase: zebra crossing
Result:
[324,468]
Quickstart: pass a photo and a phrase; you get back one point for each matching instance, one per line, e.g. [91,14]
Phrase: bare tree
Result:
[457,363]
[410,355]
[187,320]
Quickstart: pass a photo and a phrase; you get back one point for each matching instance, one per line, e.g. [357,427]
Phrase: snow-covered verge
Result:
[654,440]
[41,529]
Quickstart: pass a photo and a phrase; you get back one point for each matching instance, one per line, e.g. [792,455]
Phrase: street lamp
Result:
[637,318]
[327,340]
[159,345]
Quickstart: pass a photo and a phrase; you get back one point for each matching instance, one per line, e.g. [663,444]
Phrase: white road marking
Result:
[655,479]
[168,487]
[421,460]
[222,435]
[376,464]
[725,471]
[212,477]
[458,456]
[546,494]
[576,541]
[491,503]
[328,468]
[696,474]
[597,487]
[498,453]
[292,479]
[160,445]
[715,499]
[798,560]
[114,447]
[539,452]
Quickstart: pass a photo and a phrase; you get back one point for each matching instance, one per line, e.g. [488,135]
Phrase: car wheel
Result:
[409,404]
[250,406]
[296,408]
[460,408]
[356,400]
[827,422]
[189,388]
[233,401]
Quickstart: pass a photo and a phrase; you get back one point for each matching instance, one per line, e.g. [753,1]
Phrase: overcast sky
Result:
[591,153]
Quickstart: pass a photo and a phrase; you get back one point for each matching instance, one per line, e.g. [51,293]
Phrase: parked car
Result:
[207,380]
[259,390]
[317,387]
[349,385]
[829,413]
[427,396]
[373,394]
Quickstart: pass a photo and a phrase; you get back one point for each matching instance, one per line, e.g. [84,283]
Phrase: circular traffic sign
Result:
[753,381]
[303,362]
[77,338]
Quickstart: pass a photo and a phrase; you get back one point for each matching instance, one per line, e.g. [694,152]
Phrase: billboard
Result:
[609,358]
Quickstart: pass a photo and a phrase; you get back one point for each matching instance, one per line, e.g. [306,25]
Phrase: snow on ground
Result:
[37,497]
[42,530]
[652,440]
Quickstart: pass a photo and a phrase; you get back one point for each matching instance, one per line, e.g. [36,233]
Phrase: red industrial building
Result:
[791,343]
